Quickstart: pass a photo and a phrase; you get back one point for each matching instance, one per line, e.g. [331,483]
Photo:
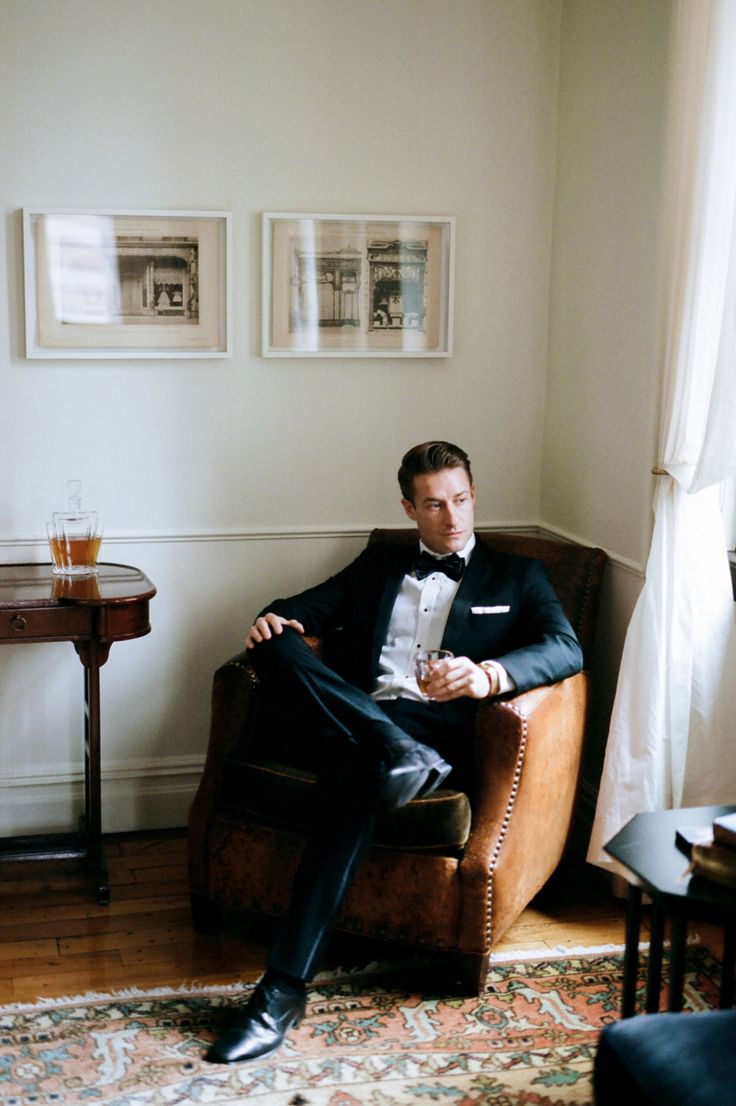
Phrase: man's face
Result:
[443,509]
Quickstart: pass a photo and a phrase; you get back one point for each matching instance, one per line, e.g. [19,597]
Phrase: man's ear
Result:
[410,509]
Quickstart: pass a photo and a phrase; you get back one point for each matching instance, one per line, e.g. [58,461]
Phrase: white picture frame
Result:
[357,285]
[126,284]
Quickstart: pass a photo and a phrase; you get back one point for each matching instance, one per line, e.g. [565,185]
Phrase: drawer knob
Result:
[18,623]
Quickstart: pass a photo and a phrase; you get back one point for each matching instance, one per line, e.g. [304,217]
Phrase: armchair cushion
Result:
[281,795]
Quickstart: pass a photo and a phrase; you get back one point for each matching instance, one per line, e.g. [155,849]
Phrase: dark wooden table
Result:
[91,612]
[651,862]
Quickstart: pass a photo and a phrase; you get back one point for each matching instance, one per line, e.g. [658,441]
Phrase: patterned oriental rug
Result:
[366,1041]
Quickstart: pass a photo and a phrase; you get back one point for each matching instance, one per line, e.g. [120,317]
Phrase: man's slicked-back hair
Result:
[430,457]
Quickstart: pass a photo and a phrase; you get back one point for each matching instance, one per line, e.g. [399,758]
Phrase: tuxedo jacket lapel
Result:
[474,582]
[391,587]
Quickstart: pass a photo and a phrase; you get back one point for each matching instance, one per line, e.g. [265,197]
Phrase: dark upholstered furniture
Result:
[668,1060]
[447,873]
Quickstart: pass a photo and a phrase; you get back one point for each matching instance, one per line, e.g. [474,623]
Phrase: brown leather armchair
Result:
[448,873]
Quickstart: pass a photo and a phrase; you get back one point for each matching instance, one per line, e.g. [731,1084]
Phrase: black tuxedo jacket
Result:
[505,610]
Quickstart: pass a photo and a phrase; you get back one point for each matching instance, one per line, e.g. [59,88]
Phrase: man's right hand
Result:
[267,625]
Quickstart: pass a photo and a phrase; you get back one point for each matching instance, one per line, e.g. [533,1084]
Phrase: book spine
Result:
[714,862]
[724,836]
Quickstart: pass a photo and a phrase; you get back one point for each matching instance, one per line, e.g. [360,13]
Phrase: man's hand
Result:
[456,678]
[267,625]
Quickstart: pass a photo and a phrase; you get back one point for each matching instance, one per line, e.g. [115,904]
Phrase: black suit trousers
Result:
[358,737]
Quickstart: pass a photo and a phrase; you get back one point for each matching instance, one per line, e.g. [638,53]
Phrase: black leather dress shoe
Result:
[269,1014]
[412,776]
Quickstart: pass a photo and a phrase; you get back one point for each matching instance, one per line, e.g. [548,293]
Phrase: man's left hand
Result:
[457,678]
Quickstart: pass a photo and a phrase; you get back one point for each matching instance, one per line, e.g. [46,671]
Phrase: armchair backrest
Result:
[575,572]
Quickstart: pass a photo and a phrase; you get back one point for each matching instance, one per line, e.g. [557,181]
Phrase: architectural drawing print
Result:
[357,285]
[127,283]
[325,286]
[398,284]
[132,279]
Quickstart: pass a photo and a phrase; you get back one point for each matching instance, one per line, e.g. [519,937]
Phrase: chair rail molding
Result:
[173,537]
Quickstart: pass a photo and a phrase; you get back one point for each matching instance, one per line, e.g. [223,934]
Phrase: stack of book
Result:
[712,849]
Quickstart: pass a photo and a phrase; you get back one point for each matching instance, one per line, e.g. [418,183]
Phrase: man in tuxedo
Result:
[384,742]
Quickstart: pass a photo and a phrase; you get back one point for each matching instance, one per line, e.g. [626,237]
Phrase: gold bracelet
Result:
[493,678]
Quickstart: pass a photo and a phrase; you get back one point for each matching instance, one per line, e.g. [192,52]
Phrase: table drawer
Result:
[33,623]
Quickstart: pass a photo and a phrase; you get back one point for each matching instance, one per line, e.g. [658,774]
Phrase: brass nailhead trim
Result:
[505,824]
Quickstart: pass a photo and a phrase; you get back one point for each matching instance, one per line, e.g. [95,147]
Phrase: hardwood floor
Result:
[56,940]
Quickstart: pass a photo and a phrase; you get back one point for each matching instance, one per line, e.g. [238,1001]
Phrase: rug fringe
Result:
[556,951]
[552,953]
[186,989]
[375,967]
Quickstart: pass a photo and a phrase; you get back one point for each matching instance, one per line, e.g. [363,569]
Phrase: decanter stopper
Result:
[74,488]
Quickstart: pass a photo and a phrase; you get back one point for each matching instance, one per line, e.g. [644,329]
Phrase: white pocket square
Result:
[490,610]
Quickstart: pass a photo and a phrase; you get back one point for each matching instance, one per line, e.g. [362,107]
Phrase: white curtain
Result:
[672,740]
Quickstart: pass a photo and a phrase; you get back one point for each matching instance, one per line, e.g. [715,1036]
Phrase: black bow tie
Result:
[452,566]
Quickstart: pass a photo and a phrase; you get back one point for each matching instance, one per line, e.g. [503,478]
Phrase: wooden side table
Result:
[650,861]
[91,612]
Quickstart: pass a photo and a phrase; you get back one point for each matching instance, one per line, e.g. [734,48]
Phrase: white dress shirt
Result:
[417,623]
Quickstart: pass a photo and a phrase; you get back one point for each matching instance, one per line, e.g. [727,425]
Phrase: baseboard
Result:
[147,795]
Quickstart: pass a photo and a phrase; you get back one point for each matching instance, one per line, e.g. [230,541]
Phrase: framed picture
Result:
[357,285]
[127,283]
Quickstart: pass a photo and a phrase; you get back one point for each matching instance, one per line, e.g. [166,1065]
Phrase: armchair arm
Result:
[234,693]
[528,752]
[233,700]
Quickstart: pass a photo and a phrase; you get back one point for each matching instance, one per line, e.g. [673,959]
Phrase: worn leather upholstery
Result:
[448,873]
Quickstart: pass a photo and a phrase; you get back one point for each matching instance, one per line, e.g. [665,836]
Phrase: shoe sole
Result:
[437,776]
[213,1056]
[400,788]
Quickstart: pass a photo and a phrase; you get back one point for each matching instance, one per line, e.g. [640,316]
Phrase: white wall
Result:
[606,306]
[207,471]
[605,303]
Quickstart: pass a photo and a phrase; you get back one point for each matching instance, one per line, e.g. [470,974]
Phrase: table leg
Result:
[677,962]
[86,819]
[654,970]
[631,953]
[92,775]
[728,968]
